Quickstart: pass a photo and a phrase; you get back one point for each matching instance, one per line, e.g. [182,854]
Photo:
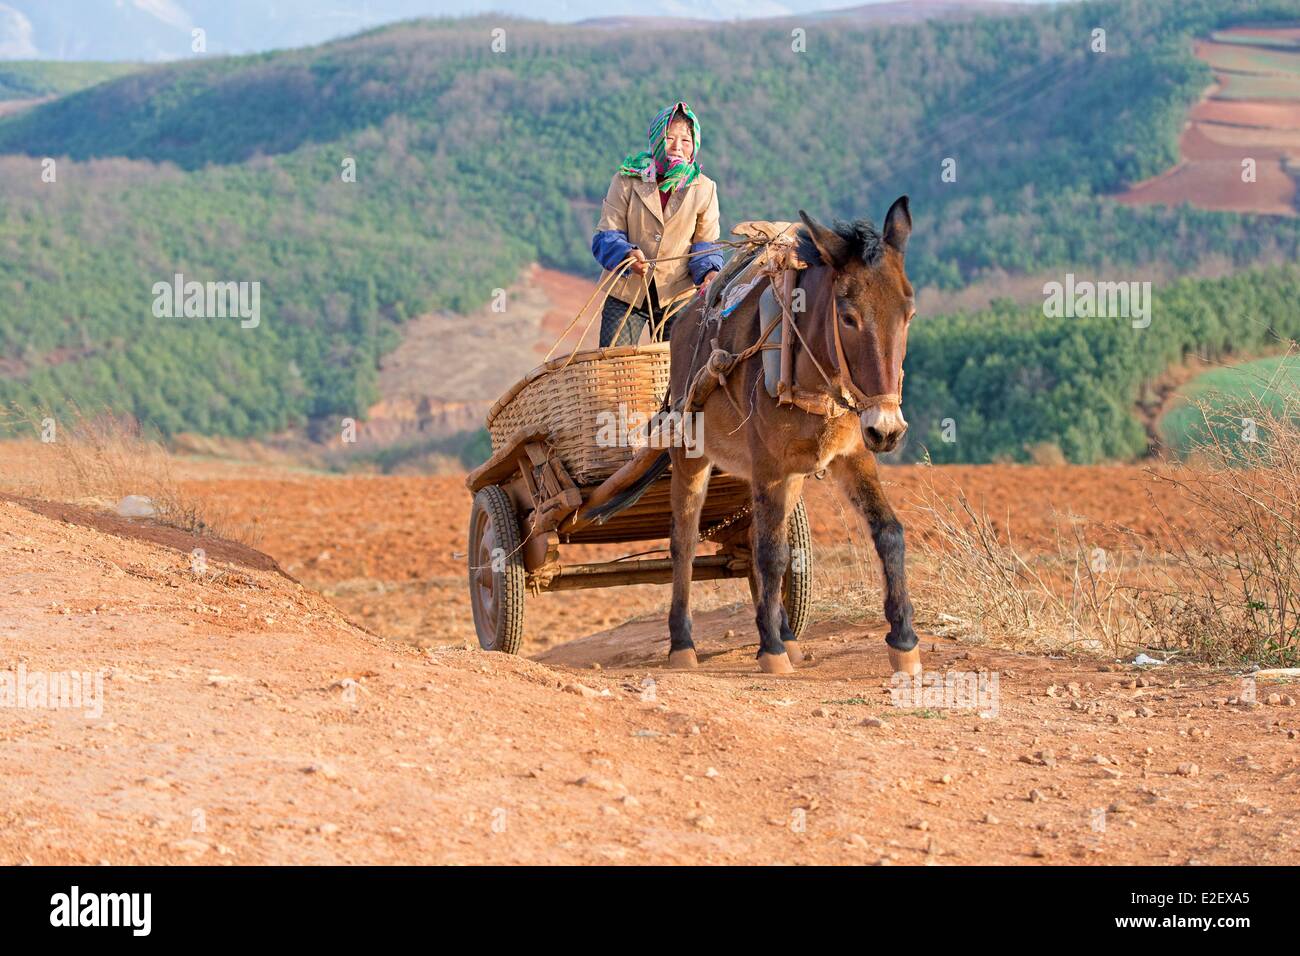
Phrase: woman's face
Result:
[679,143]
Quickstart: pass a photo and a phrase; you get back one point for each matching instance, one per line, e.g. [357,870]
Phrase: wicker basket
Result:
[578,398]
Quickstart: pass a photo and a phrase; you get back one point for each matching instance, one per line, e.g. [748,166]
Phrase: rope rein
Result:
[720,362]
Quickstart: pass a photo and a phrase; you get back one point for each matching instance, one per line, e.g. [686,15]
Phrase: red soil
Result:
[245,720]
[1209,172]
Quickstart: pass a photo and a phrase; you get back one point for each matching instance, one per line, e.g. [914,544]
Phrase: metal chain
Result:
[726,522]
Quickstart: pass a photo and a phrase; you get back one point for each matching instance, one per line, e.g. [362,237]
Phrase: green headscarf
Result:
[679,173]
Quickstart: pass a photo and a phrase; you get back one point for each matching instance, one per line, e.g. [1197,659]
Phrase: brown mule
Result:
[852,329]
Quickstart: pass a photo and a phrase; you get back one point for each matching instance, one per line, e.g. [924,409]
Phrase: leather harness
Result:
[845,395]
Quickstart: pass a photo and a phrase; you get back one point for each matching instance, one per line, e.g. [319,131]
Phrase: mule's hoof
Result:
[683,660]
[909,662]
[792,651]
[775,664]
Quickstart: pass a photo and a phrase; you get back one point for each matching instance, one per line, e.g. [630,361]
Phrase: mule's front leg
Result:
[773,502]
[857,475]
[689,488]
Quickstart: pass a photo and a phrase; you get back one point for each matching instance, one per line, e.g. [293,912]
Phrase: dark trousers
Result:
[612,315]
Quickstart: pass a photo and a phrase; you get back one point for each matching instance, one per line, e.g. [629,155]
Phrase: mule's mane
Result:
[861,238]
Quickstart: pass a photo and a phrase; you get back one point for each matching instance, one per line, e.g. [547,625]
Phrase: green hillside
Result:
[25,79]
[472,163]
[1274,382]
[1012,379]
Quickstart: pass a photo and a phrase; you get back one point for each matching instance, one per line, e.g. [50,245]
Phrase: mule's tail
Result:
[632,494]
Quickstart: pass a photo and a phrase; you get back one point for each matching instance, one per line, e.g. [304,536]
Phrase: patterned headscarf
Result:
[679,173]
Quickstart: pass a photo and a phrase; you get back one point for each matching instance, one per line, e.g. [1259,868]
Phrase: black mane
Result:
[861,238]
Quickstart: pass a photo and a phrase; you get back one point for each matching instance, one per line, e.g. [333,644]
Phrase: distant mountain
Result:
[152,30]
[888,12]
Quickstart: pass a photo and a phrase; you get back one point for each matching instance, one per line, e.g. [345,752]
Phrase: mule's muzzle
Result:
[883,427]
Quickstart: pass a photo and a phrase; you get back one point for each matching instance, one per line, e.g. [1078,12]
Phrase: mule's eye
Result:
[850,319]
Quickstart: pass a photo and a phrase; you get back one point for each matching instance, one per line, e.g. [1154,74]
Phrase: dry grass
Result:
[96,461]
[1233,589]
[1073,597]
[1221,584]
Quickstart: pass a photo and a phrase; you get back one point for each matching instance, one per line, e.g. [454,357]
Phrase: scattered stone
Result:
[581,690]
[595,783]
[327,829]
[1036,796]
[920,825]
[325,770]
[191,846]
[991,819]
[875,722]
[821,712]
[1188,770]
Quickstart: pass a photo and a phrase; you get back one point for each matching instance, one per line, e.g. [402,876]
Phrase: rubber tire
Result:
[796,587]
[509,586]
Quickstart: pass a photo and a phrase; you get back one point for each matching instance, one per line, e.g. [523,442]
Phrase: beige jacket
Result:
[632,205]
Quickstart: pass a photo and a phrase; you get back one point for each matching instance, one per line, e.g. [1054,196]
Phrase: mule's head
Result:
[860,269]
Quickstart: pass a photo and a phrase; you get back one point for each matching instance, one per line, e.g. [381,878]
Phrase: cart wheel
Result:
[796,587]
[496,572]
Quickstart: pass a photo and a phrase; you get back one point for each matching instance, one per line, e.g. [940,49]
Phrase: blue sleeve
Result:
[610,247]
[703,265]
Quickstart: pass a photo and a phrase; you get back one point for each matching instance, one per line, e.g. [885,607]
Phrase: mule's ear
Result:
[898,224]
[832,249]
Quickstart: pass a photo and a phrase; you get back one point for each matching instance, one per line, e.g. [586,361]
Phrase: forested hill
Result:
[471,162]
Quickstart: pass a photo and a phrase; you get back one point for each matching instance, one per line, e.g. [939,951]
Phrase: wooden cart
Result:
[527,507]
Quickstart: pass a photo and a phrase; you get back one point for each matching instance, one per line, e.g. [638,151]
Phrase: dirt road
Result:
[246,720]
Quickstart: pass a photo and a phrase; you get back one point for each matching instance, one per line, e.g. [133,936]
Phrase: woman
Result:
[659,205]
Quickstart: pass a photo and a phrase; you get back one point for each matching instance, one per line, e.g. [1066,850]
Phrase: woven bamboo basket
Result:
[584,399]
